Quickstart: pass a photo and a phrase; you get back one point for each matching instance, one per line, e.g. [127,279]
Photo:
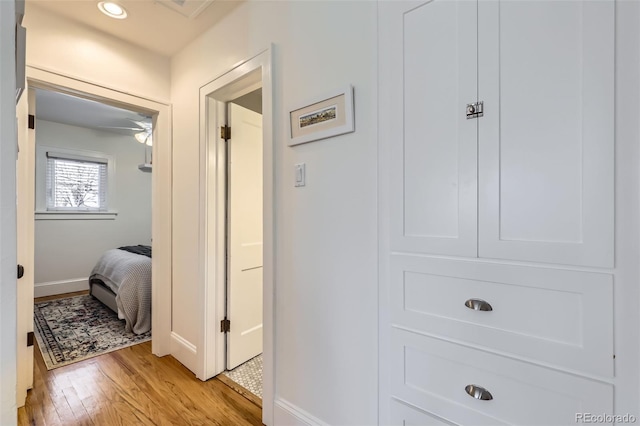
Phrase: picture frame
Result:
[329,115]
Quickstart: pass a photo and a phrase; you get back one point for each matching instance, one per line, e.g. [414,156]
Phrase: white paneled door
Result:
[25,228]
[244,269]
[546,141]
[435,168]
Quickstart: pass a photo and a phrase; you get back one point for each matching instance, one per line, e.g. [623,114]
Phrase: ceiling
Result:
[66,109]
[157,25]
[252,101]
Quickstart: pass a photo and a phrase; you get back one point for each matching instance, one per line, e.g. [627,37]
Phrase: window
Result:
[76,183]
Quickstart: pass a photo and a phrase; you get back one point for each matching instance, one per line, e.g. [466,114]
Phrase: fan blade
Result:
[137,129]
[142,124]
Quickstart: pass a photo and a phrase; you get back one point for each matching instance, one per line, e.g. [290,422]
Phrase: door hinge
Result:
[20,271]
[30,338]
[225,326]
[32,121]
[475,110]
[225,132]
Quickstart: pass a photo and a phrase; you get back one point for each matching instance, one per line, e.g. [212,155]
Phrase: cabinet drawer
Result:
[406,415]
[551,316]
[432,374]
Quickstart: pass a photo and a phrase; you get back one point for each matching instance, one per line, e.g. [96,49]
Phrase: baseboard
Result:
[184,351]
[53,288]
[287,414]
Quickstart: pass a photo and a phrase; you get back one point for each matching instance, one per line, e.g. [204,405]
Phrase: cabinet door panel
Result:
[434,163]
[546,76]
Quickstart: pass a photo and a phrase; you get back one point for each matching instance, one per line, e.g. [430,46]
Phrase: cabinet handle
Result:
[478,305]
[478,392]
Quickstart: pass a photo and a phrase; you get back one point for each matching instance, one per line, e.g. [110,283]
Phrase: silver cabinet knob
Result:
[478,392]
[478,305]
[475,110]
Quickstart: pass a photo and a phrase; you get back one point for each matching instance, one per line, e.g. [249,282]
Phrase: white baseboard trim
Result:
[287,414]
[184,351]
[60,287]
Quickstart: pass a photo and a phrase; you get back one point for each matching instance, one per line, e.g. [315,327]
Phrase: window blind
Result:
[76,183]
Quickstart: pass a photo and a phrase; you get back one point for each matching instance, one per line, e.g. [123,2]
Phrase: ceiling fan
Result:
[145,136]
[144,131]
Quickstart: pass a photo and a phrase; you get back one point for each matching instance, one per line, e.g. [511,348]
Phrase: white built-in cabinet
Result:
[530,180]
[497,232]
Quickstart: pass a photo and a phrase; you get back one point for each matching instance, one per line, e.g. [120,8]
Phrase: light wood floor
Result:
[131,386]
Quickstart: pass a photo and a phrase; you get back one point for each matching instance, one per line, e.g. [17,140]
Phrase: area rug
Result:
[77,328]
[248,375]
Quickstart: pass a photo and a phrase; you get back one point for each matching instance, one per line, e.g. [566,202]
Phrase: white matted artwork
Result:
[323,117]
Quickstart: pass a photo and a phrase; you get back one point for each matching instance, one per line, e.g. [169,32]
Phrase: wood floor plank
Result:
[240,389]
[123,393]
[60,296]
[133,389]
[78,410]
[131,386]
[39,399]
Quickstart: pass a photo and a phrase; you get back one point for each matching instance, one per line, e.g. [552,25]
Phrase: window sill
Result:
[62,215]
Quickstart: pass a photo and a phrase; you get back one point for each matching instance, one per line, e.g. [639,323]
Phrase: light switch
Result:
[300,172]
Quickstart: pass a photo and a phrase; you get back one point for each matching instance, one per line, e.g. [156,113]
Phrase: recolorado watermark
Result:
[605,418]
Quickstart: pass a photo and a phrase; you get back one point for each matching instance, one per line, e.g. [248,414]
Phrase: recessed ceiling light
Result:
[112,9]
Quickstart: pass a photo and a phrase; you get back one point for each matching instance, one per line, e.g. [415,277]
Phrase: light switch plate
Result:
[300,172]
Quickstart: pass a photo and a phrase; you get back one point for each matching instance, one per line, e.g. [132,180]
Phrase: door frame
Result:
[161,184]
[243,78]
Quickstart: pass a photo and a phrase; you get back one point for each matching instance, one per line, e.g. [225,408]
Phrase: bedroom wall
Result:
[326,271]
[67,250]
[58,44]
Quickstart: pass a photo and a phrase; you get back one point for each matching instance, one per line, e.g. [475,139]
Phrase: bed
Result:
[121,280]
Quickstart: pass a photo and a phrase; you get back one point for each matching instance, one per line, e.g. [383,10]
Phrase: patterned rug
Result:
[248,375]
[74,329]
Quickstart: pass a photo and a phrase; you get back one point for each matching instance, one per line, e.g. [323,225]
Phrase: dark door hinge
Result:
[225,326]
[225,132]
[20,271]
[32,121]
[30,338]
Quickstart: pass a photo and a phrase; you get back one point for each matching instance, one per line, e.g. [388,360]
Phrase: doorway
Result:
[161,203]
[93,212]
[246,274]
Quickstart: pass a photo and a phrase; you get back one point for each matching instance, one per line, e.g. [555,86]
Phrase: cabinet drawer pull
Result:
[478,305]
[478,392]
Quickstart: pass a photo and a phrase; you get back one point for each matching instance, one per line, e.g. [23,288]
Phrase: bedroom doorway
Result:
[237,220]
[92,226]
[93,186]
[35,163]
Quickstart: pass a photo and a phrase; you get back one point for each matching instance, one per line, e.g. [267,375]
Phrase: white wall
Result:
[8,324]
[58,44]
[326,279]
[67,250]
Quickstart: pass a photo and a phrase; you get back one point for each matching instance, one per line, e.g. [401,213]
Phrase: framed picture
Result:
[324,117]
